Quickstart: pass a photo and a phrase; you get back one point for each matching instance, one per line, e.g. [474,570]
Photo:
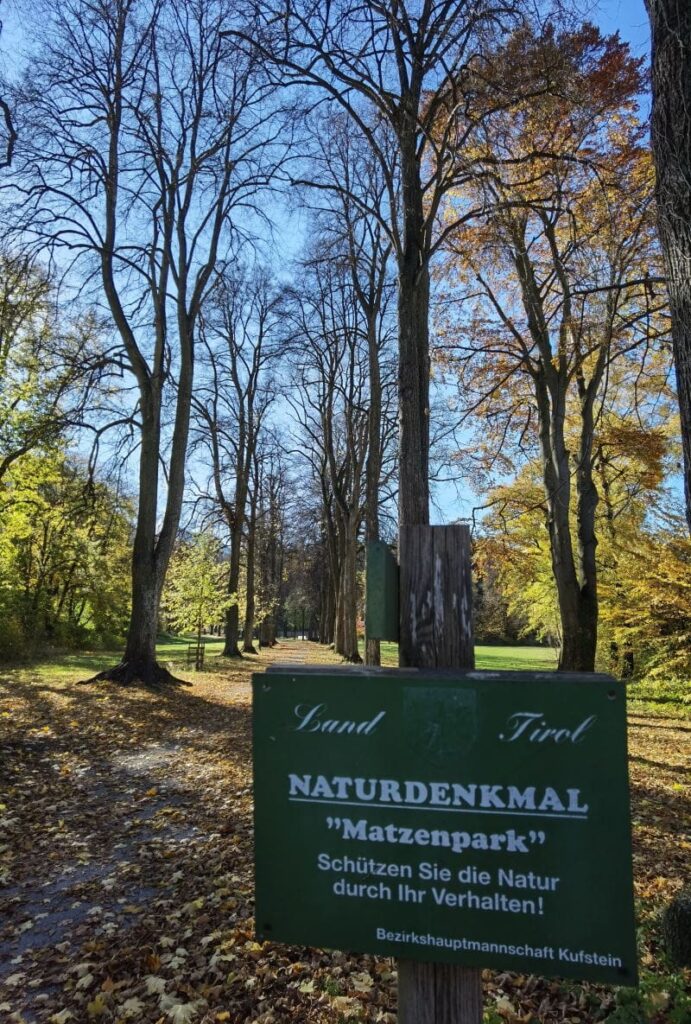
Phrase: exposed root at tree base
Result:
[133,673]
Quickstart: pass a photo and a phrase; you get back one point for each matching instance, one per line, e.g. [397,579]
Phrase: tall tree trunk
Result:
[151,552]
[338,614]
[587,498]
[267,636]
[413,340]
[323,607]
[331,611]
[270,568]
[140,648]
[333,582]
[339,631]
[578,610]
[670,24]
[349,642]
[232,616]
[373,471]
[577,602]
[328,608]
[579,634]
[248,638]
[266,627]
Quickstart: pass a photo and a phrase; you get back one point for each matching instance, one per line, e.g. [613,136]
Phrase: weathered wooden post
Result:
[436,631]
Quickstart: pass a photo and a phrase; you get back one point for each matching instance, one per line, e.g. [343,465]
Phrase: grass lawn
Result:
[174,648]
[527,659]
[169,649]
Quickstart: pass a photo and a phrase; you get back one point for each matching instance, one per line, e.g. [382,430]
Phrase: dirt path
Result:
[120,810]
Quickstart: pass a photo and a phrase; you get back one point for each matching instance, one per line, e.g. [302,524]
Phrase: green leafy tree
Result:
[49,362]
[65,545]
[643,555]
[196,593]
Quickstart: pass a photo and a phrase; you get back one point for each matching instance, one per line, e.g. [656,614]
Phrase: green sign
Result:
[477,818]
[381,606]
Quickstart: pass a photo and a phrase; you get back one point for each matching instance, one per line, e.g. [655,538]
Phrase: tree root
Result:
[133,673]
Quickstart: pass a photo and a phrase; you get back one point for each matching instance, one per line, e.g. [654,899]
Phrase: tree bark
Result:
[271,559]
[328,608]
[373,468]
[670,25]
[436,631]
[577,599]
[339,621]
[248,637]
[334,578]
[232,616]
[587,499]
[349,642]
[151,554]
[413,348]
[141,637]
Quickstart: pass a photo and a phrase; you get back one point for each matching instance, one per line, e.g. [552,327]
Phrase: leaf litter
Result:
[126,866]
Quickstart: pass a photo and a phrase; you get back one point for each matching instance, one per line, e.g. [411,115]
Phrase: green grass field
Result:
[526,659]
[168,649]
[537,659]
[174,648]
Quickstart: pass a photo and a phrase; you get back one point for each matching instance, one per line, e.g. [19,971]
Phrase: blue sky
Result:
[628,17]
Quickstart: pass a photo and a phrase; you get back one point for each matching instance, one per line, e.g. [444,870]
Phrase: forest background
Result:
[198,321]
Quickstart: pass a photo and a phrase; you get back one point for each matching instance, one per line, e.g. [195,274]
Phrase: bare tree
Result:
[407,69]
[10,132]
[231,404]
[331,405]
[670,25]
[350,179]
[142,132]
[269,539]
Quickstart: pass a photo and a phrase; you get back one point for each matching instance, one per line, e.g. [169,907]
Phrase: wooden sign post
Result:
[436,631]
